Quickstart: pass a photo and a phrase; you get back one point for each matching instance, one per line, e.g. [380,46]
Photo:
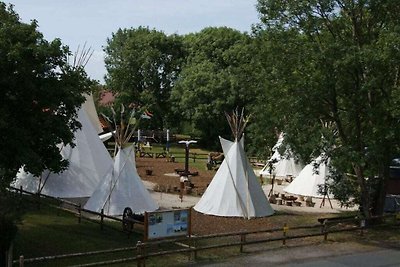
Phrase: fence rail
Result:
[77,209]
[191,244]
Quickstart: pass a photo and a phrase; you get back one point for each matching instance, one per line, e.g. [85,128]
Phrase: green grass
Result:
[43,233]
[48,231]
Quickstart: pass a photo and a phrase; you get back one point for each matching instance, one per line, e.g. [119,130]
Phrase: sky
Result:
[77,22]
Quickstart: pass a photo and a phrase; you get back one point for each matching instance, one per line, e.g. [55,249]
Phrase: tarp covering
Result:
[122,188]
[392,203]
[309,180]
[234,190]
[89,162]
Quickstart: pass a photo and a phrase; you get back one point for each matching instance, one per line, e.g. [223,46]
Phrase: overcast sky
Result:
[92,21]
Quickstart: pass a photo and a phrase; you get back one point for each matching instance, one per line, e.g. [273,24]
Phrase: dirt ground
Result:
[163,174]
[204,224]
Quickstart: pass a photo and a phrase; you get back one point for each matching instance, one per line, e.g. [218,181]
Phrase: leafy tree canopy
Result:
[142,67]
[40,92]
[216,78]
[336,67]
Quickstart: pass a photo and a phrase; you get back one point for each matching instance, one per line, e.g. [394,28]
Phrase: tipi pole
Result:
[323,200]
[236,190]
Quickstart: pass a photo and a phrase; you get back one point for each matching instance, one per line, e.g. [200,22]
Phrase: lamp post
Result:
[271,169]
[167,145]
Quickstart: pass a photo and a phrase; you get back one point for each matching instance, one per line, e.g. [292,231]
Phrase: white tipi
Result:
[310,179]
[92,113]
[283,166]
[89,162]
[235,190]
[122,188]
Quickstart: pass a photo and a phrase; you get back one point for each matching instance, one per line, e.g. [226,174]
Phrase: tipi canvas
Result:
[285,165]
[122,188]
[89,162]
[92,113]
[310,179]
[234,190]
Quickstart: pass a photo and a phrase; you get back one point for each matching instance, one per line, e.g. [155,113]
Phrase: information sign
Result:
[169,223]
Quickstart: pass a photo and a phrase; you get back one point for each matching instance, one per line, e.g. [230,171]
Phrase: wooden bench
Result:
[161,155]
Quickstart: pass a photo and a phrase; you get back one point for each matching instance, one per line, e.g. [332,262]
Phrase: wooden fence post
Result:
[21,261]
[9,255]
[193,250]
[59,207]
[79,213]
[38,201]
[325,231]
[242,242]
[101,219]
[194,157]
[285,230]
[362,225]
[140,255]
[20,198]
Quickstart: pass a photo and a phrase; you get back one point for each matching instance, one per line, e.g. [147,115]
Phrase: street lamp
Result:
[186,173]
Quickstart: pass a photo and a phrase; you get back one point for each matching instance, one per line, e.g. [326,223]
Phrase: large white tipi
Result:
[310,179]
[234,191]
[89,163]
[122,188]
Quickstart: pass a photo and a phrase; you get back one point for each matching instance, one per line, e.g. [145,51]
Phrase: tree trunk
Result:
[380,196]
[364,192]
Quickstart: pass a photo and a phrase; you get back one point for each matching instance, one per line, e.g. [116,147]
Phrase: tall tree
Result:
[215,78]
[142,67]
[340,84]
[40,93]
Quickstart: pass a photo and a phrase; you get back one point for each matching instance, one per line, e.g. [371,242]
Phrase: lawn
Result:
[49,231]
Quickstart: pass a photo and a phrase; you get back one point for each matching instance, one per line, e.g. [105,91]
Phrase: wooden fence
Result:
[193,244]
[75,209]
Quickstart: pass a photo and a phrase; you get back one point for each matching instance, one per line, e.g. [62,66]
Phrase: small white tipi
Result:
[122,188]
[234,190]
[284,165]
[89,162]
[310,179]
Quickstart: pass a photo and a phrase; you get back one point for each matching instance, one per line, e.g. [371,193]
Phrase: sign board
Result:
[168,223]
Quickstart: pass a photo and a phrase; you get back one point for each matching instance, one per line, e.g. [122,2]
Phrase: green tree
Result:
[339,86]
[40,92]
[214,79]
[142,66]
